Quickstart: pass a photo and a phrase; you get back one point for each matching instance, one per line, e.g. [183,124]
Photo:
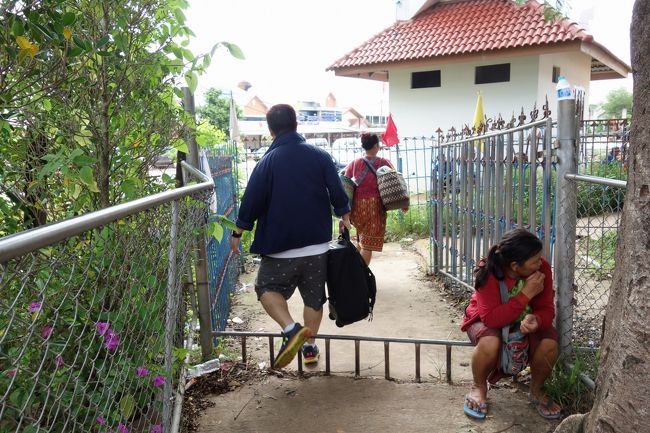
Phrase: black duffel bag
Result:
[351,286]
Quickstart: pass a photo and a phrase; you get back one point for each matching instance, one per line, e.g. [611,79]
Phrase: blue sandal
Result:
[479,413]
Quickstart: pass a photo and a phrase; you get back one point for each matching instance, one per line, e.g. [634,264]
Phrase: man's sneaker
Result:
[291,343]
[310,353]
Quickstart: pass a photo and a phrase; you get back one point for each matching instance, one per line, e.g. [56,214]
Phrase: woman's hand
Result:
[534,285]
[529,325]
[345,223]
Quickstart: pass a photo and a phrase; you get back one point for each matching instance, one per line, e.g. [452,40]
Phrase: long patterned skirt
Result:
[369,218]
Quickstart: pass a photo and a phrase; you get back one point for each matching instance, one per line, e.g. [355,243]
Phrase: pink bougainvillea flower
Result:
[34,307]
[111,340]
[158,380]
[141,371]
[102,327]
[122,428]
[58,361]
[100,420]
[156,428]
[11,373]
[46,331]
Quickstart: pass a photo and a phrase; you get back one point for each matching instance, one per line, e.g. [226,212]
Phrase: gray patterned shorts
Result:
[284,275]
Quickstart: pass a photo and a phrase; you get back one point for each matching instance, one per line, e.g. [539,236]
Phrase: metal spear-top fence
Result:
[93,317]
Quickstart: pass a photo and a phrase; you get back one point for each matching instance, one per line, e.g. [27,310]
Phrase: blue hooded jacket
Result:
[289,194]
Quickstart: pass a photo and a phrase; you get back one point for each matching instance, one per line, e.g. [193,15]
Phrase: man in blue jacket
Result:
[290,195]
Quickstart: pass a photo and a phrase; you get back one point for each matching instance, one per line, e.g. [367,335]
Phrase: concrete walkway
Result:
[409,305]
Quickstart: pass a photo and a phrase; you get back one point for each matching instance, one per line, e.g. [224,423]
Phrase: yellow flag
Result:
[478,113]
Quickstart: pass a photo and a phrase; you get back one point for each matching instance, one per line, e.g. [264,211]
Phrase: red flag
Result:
[389,137]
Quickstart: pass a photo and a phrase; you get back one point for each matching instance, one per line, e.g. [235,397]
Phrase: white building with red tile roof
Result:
[441,53]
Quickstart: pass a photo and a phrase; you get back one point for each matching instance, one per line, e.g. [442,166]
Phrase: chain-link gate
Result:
[92,334]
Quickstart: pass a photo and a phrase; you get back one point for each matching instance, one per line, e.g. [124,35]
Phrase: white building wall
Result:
[420,112]
[575,66]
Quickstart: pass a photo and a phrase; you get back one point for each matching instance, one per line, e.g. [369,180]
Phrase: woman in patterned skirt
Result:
[368,213]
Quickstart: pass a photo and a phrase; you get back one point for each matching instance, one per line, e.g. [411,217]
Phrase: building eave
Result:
[616,67]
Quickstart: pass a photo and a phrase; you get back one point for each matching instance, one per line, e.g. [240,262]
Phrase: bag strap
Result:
[370,166]
[504,299]
[363,174]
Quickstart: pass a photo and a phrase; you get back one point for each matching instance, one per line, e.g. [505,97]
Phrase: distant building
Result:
[326,123]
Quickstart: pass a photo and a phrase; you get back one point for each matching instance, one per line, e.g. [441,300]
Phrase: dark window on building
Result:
[492,74]
[556,74]
[420,80]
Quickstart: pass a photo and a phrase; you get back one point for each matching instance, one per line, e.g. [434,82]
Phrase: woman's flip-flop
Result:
[544,409]
[479,413]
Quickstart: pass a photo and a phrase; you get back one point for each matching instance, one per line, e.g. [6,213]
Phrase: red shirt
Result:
[368,187]
[485,304]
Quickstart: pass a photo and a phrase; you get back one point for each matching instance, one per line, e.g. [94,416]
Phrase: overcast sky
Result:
[288,44]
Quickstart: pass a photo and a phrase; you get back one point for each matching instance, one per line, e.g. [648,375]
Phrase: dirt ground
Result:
[409,305]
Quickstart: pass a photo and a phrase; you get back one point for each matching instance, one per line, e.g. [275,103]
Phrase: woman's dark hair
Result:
[368,140]
[281,118]
[517,246]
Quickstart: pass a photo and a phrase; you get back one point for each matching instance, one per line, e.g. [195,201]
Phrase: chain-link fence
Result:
[603,151]
[94,317]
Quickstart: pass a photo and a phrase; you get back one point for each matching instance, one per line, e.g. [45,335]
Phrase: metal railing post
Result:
[170,316]
[565,222]
[203,294]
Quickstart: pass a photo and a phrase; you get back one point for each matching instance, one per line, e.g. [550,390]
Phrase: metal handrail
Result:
[30,240]
[616,183]
[357,339]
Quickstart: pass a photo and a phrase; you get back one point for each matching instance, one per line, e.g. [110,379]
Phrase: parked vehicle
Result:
[320,142]
[259,153]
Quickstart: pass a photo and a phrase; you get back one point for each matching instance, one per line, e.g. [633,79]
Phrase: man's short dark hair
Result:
[281,118]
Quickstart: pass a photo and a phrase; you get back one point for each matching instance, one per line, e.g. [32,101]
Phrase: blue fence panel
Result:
[223,265]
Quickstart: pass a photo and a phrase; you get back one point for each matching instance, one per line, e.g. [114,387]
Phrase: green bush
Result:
[594,199]
[413,223]
[566,387]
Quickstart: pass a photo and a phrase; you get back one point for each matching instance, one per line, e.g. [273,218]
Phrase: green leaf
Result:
[68,18]
[120,41]
[187,54]
[177,52]
[79,42]
[17,28]
[86,175]
[179,15]
[76,191]
[216,231]
[83,160]
[224,221]
[127,405]
[129,187]
[235,51]
[181,146]
[102,41]
[47,104]
[74,52]
[192,81]
[178,92]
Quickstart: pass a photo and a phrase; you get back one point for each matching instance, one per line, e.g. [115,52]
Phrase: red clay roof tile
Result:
[461,27]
